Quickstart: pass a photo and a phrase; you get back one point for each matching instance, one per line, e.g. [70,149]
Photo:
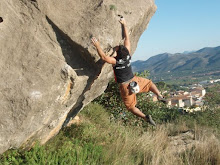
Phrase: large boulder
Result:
[49,69]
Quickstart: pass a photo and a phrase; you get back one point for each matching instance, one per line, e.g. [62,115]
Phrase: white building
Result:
[188,99]
[181,101]
[198,92]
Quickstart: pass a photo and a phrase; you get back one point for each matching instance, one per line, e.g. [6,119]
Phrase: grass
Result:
[207,151]
[71,152]
[99,140]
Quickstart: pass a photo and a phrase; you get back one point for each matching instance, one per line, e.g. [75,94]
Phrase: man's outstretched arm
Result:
[103,56]
[126,35]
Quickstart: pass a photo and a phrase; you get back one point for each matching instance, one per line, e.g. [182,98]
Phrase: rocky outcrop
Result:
[49,70]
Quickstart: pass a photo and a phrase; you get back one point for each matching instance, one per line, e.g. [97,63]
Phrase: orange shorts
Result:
[128,97]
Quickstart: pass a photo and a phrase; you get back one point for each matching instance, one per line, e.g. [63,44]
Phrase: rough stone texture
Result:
[49,70]
[182,142]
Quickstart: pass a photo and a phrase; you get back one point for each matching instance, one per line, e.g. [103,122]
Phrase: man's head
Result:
[1,19]
[122,52]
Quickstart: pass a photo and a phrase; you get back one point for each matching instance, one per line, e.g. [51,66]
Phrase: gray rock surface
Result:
[49,70]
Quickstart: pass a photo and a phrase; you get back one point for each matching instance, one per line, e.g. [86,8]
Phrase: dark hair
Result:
[1,19]
[122,52]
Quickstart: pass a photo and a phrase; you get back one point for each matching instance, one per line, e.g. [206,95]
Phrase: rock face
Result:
[49,69]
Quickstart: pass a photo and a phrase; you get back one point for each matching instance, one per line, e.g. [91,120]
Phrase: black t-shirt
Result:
[122,69]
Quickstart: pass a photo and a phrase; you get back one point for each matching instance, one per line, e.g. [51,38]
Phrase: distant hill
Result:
[179,64]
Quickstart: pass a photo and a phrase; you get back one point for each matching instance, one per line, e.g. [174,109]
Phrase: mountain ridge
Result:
[202,60]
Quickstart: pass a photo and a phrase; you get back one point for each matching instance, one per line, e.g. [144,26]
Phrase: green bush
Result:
[212,98]
[72,151]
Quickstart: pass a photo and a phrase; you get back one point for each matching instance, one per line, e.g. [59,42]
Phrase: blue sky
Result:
[180,25]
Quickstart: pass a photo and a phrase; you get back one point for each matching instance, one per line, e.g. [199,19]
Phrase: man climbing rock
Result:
[129,84]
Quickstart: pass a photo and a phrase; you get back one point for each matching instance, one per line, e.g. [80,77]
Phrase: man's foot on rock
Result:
[162,99]
[150,120]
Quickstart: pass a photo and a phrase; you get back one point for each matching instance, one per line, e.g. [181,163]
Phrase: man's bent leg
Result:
[138,113]
[155,90]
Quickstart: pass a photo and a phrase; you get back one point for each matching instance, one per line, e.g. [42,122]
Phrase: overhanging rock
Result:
[49,69]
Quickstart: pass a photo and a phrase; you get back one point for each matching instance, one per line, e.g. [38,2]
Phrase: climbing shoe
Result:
[162,99]
[150,120]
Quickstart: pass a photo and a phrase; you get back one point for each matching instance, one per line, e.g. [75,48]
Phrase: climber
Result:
[129,84]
